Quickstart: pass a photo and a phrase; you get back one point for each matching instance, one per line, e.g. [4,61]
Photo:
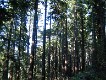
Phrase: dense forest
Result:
[52,40]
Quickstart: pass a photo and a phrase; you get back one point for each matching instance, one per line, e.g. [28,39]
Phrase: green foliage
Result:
[19,4]
[5,15]
[85,76]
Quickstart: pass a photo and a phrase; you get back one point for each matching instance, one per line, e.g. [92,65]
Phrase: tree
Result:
[82,41]
[34,43]
[49,35]
[44,42]
[98,31]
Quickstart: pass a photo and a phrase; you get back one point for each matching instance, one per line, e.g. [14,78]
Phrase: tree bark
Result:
[44,42]
[83,42]
[34,44]
[49,50]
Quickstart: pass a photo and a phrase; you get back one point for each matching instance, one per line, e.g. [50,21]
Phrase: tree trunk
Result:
[44,42]
[34,44]
[98,34]
[82,45]
[19,49]
[49,51]
[76,41]
[6,63]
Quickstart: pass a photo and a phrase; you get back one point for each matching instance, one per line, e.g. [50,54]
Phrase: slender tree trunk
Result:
[94,24]
[83,42]
[66,44]
[19,49]
[56,59]
[105,35]
[34,44]
[49,51]
[44,42]
[60,51]
[14,46]
[76,42]
[52,62]
[11,57]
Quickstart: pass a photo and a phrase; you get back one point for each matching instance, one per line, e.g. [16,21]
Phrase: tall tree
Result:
[44,42]
[34,42]
[82,39]
[98,34]
[76,40]
[49,49]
